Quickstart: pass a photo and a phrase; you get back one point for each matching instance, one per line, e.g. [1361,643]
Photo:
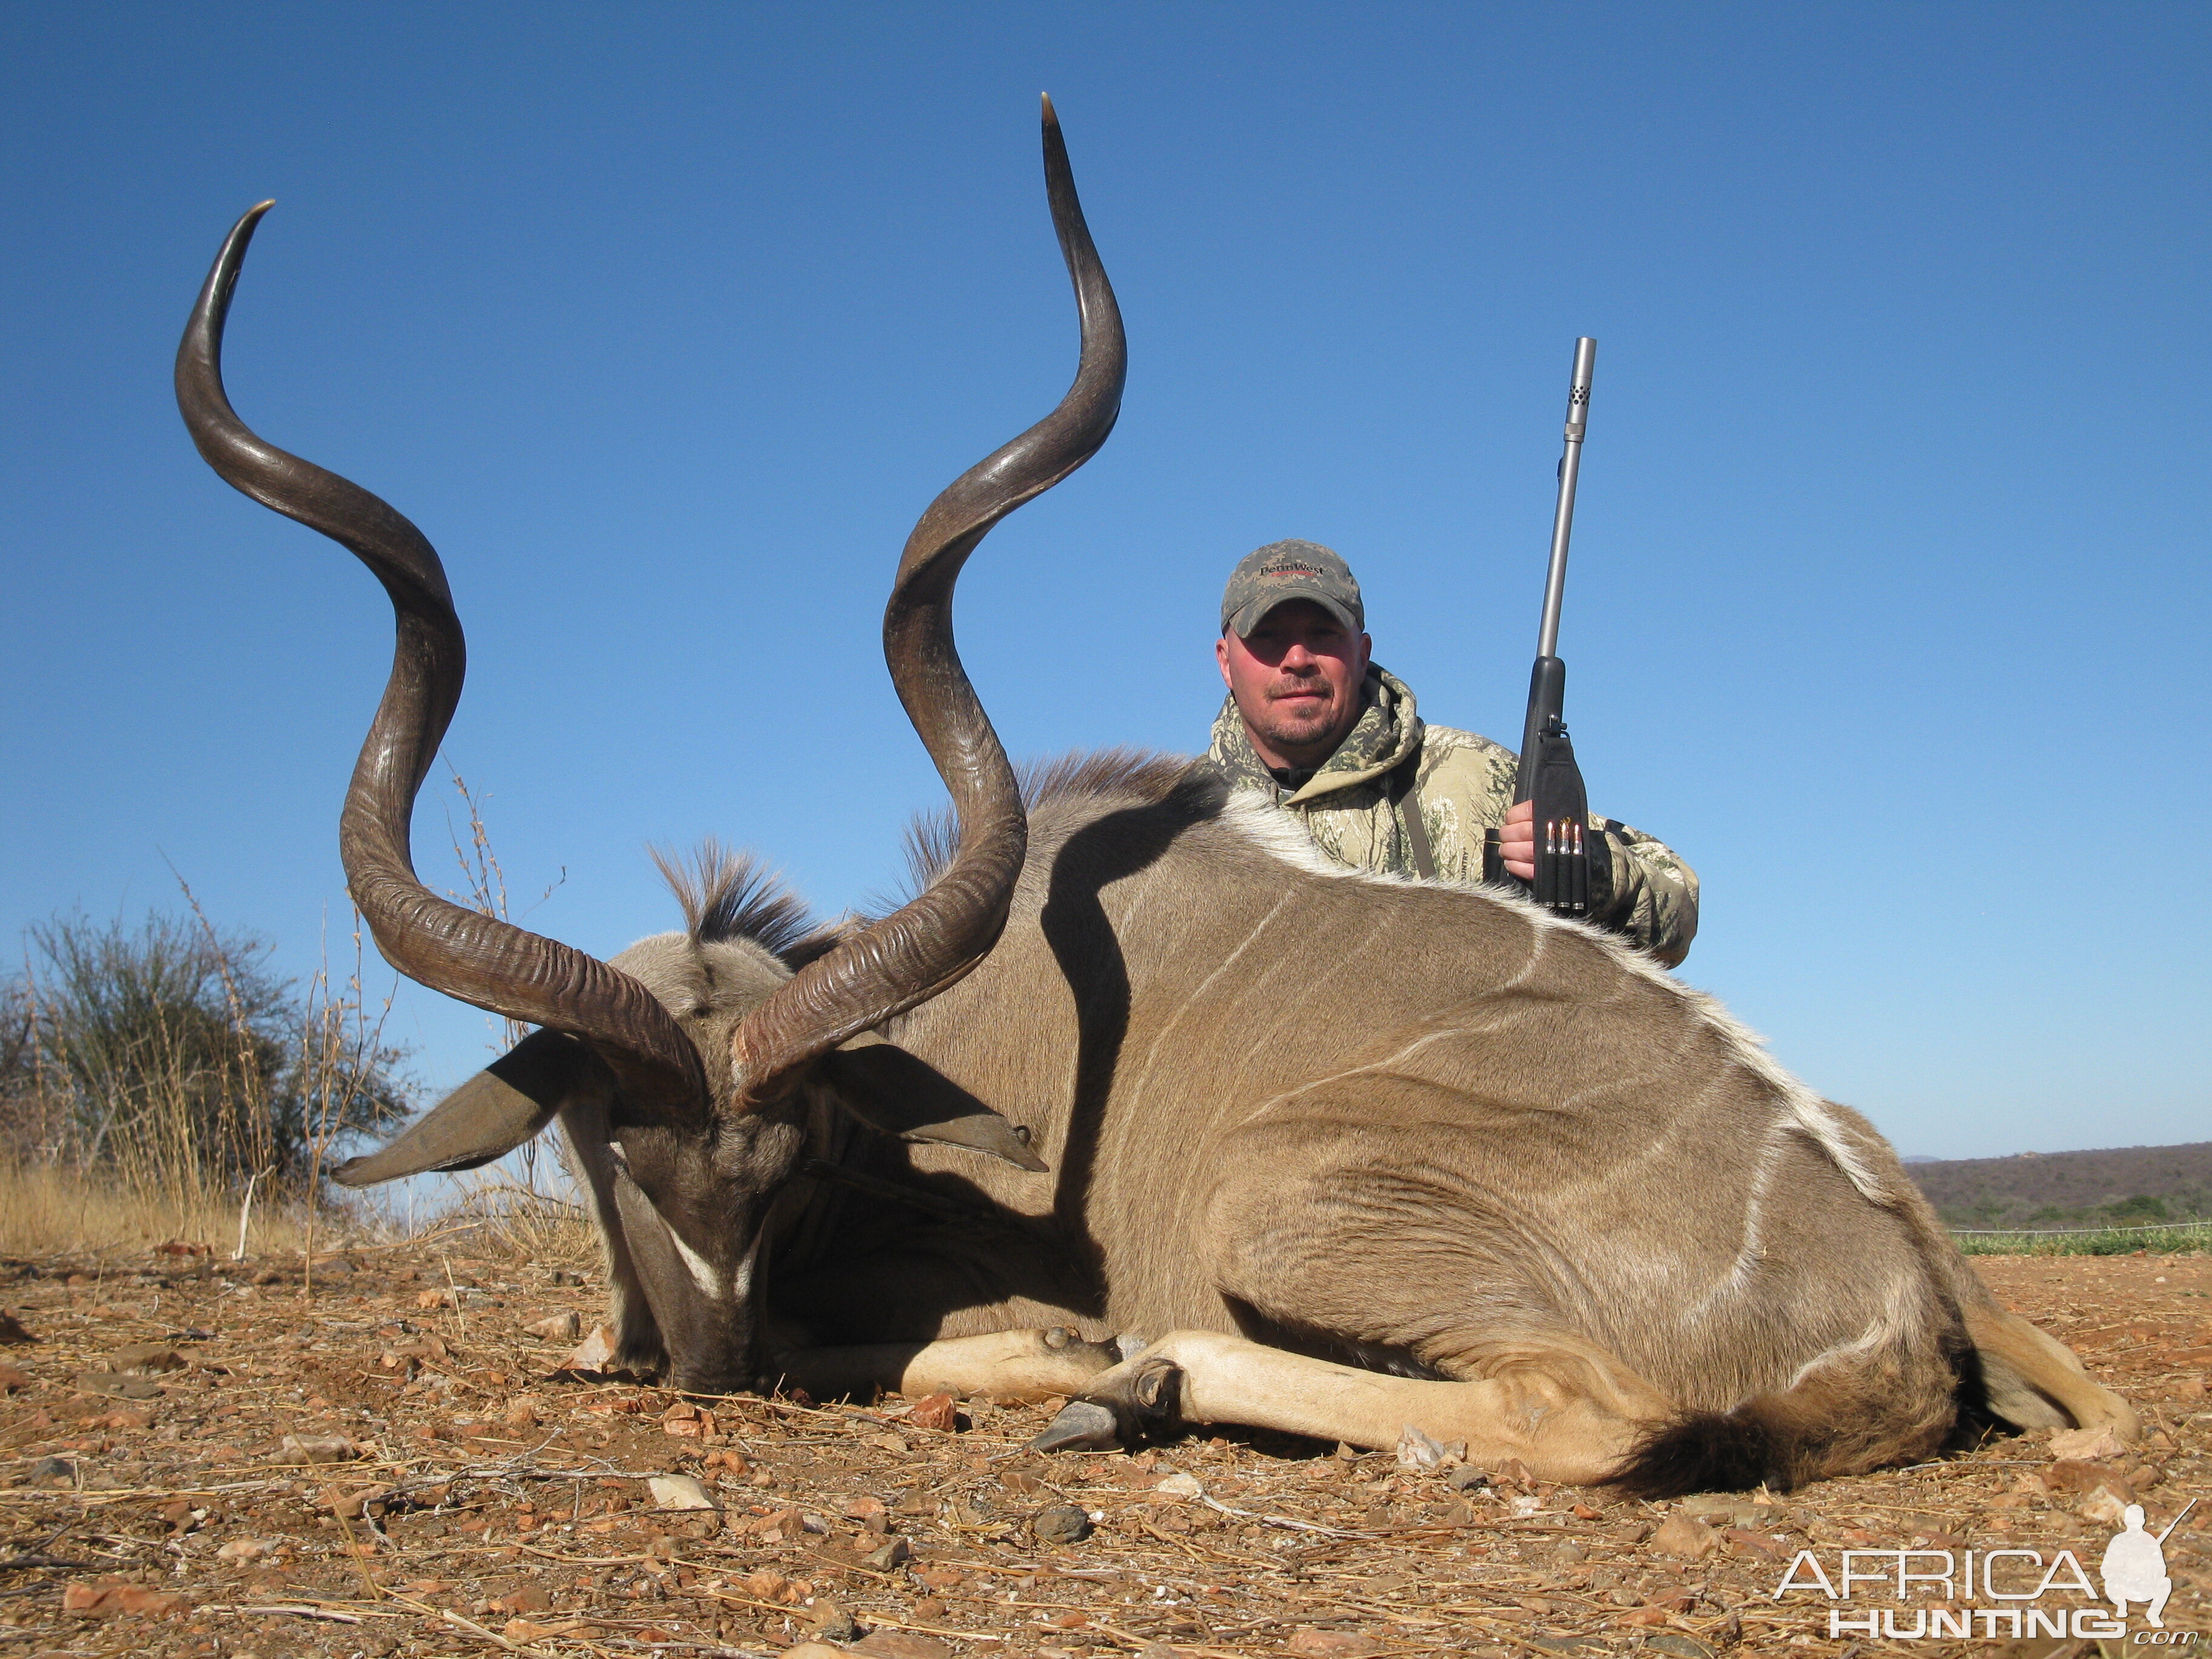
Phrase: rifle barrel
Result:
[1563,517]
[2171,1524]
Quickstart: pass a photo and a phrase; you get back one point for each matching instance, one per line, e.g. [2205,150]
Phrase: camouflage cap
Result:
[1268,576]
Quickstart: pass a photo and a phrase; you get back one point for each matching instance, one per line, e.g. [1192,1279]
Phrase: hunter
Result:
[1334,740]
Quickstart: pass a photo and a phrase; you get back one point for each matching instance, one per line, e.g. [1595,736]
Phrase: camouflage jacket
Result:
[1465,783]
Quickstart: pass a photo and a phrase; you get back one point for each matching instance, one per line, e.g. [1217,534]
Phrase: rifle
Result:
[1565,848]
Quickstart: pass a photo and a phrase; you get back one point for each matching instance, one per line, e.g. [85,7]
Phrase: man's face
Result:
[1296,681]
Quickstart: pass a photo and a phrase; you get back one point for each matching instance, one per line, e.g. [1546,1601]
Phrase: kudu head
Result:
[694,1058]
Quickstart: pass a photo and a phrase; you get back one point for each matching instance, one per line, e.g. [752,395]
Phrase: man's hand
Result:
[1517,841]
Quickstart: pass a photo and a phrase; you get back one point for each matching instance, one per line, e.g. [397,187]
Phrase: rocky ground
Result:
[212,1459]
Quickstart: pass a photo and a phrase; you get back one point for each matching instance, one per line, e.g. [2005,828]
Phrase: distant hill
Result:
[2119,1185]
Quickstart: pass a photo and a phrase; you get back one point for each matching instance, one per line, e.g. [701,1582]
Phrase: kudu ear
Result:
[490,1114]
[894,1093]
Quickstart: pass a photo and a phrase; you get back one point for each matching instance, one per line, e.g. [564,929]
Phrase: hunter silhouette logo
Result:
[2011,1591]
[2134,1567]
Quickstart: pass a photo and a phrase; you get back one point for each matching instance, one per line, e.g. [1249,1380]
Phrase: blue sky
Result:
[1888,598]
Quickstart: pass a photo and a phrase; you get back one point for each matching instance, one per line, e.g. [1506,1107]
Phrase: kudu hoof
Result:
[1080,1426]
[1136,1400]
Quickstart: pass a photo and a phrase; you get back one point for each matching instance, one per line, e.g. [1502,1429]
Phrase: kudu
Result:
[1363,1153]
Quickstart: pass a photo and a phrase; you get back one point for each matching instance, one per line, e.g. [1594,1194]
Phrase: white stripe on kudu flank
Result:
[1204,985]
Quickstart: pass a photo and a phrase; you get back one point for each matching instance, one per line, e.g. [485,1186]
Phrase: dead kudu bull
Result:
[1370,1153]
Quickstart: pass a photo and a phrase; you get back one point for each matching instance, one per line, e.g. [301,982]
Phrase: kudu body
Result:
[1361,1153]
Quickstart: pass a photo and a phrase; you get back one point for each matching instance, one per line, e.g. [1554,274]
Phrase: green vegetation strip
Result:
[2167,1239]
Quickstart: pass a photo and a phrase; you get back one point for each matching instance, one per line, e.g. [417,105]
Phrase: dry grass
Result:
[52,1212]
[49,1209]
[521,1221]
[158,1077]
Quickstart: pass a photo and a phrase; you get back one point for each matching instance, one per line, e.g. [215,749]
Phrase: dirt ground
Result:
[210,1460]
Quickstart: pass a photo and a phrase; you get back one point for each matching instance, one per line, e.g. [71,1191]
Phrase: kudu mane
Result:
[727,894]
[1141,775]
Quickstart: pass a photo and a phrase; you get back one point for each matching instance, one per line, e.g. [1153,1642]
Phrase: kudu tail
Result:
[1850,1413]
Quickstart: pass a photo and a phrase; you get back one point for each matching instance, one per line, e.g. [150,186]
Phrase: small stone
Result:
[1421,1453]
[147,1359]
[53,1469]
[559,1328]
[2091,1444]
[933,1412]
[687,1422]
[1180,1485]
[2106,1505]
[900,1644]
[118,1386]
[862,1509]
[1332,1644]
[679,1492]
[889,1443]
[12,1331]
[831,1623]
[531,1598]
[244,1549]
[13,1378]
[1684,1537]
[351,1503]
[1716,1507]
[885,1557]
[317,1448]
[522,1414]
[108,1601]
[2078,1474]
[1063,1524]
[1466,1478]
[595,1354]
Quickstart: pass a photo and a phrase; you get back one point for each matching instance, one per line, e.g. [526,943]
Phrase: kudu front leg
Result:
[1539,1415]
[1005,1364]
